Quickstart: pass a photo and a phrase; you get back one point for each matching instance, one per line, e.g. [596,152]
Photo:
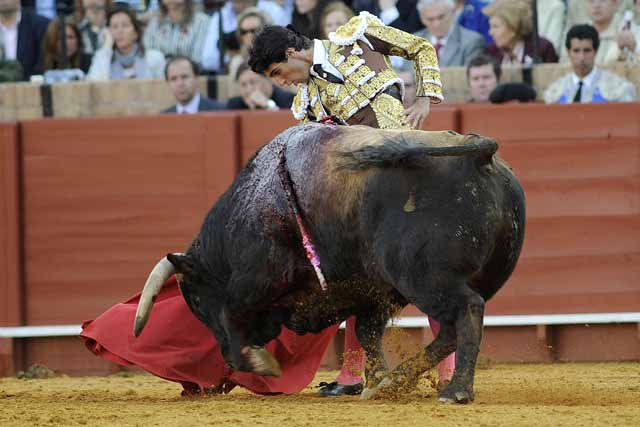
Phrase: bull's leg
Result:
[370,328]
[469,326]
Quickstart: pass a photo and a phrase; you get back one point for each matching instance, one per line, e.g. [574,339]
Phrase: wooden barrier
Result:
[580,168]
[104,199]
[10,257]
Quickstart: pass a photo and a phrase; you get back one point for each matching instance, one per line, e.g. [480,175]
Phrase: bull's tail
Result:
[406,153]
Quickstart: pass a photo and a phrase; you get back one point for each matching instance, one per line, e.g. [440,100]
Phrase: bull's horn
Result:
[158,276]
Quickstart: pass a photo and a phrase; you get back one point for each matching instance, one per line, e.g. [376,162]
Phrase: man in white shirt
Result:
[587,83]
[183,78]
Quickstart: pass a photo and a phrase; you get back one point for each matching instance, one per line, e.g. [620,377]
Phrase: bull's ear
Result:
[182,263]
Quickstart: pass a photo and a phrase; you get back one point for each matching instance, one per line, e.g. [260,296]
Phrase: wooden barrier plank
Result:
[106,198]
[551,122]
[10,256]
[259,127]
[442,117]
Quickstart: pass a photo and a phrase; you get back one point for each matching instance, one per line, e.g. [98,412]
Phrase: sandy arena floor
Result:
[540,395]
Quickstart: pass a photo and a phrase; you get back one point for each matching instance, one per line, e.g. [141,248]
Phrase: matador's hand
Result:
[418,112]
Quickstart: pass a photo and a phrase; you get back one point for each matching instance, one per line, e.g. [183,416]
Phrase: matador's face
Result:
[293,71]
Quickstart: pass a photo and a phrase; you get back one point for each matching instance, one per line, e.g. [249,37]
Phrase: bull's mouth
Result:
[261,361]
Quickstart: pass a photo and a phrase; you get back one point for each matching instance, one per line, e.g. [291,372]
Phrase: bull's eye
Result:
[196,301]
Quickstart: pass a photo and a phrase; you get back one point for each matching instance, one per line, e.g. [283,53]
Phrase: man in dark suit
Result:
[183,77]
[22,32]
[258,93]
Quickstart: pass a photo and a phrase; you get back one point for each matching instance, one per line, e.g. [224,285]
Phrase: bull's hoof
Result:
[262,362]
[369,392]
[455,394]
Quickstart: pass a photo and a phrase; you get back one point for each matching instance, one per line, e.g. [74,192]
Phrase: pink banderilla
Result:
[312,255]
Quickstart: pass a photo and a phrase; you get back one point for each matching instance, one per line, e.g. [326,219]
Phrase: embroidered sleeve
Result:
[301,104]
[391,41]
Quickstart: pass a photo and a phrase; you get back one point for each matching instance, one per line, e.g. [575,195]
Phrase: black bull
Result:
[432,219]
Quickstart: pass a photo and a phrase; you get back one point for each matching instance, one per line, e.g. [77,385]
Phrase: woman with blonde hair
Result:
[333,16]
[510,23]
[178,29]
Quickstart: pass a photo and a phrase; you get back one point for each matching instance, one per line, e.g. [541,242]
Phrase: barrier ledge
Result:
[402,322]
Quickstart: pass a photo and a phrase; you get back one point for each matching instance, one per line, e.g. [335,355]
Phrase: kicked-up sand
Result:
[606,394]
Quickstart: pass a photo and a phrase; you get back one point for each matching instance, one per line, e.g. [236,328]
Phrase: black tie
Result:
[578,93]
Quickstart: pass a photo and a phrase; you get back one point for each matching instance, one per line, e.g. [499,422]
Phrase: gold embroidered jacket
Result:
[352,77]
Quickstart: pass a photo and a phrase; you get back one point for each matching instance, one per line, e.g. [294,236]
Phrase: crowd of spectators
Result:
[111,39]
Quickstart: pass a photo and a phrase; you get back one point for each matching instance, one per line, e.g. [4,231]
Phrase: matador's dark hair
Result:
[270,46]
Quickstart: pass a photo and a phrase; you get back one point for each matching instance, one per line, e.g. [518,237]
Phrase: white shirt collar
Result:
[191,107]
[320,57]
[443,41]
[587,80]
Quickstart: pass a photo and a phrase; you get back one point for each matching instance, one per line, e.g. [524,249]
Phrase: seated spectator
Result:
[212,59]
[24,29]
[306,17]
[249,21]
[10,70]
[510,26]
[513,92]
[409,80]
[618,40]
[335,14]
[551,19]
[92,25]
[483,75]
[258,93]
[178,29]
[455,46]
[399,14]
[124,55]
[183,78]
[76,57]
[587,83]
[468,13]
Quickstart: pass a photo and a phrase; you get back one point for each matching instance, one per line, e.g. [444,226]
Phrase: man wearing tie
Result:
[587,83]
[184,82]
[455,45]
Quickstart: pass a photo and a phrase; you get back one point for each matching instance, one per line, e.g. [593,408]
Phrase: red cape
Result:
[176,346]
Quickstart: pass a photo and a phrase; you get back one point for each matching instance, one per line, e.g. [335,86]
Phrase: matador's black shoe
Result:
[335,389]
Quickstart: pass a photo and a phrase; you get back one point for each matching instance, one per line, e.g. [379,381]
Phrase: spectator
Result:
[258,93]
[22,32]
[510,24]
[76,56]
[400,14]
[409,87]
[228,16]
[616,41]
[587,83]
[184,82]
[123,55]
[334,15]
[455,46]
[306,17]
[249,22]
[10,70]
[551,19]
[483,75]
[177,29]
[469,15]
[92,25]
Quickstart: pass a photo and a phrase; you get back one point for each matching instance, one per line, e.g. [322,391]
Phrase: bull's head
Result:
[208,305]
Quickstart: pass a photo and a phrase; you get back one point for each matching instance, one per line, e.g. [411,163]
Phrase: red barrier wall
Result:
[580,168]
[104,199]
